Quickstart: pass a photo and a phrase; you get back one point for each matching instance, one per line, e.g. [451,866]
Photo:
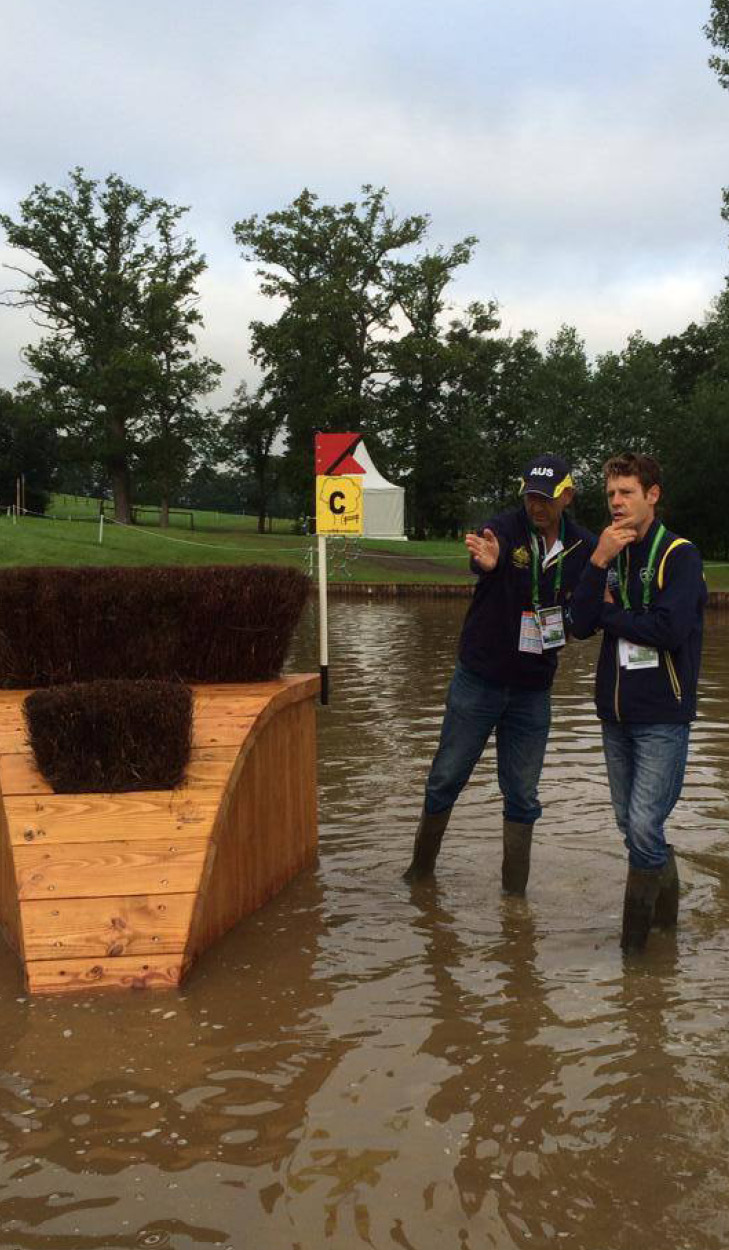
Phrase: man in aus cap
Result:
[528,561]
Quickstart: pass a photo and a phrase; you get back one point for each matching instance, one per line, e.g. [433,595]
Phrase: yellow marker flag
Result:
[339,505]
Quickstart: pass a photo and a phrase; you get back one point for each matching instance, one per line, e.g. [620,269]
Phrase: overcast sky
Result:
[584,143]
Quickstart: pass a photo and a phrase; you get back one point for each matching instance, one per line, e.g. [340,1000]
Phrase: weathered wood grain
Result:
[145,924]
[266,828]
[79,976]
[98,869]
[139,815]
[220,731]
[13,739]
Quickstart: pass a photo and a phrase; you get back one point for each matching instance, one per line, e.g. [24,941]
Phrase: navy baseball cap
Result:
[546,475]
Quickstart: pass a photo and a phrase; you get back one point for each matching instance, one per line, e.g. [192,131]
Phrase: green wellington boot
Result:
[517,855]
[641,892]
[665,914]
[428,837]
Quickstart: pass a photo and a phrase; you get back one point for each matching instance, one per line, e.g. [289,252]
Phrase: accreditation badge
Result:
[530,635]
[551,627]
[633,655]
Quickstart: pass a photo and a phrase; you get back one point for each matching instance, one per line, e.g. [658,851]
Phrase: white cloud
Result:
[584,145]
[657,307]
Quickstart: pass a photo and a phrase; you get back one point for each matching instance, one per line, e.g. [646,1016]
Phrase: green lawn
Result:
[219,538]
[69,535]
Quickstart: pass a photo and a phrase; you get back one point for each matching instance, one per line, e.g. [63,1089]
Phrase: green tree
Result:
[213,490]
[717,31]
[696,444]
[250,427]
[690,355]
[561,397]
[175,430]
[633,399]
[28,450]
[633,404]
[495,378]
[695,471]
[322,358]
[425,434]
[100,256]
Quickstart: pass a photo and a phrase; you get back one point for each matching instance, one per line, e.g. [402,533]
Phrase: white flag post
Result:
[323,620]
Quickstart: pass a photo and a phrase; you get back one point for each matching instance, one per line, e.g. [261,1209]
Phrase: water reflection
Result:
[363,1065]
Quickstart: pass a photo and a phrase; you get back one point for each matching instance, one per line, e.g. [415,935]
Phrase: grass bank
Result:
[69,535]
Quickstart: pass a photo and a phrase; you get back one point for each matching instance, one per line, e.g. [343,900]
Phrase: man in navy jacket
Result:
[528,563]
[644,587]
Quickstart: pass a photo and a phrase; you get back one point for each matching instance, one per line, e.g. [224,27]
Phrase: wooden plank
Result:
[214,753]
[215,704]
[87,818]
[208,766]
[12,709]
[219,731]
[252,698]
[228,709]
[13,740]
[102,869]
[298,685]
[266,829]
[19,775]
[155,924]
[9,910]
[213,771]
[79,976]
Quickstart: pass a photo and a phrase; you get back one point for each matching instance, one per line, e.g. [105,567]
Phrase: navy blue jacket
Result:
[672,623]
[490,637]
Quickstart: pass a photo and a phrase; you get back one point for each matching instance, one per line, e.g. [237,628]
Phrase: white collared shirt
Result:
[554,551]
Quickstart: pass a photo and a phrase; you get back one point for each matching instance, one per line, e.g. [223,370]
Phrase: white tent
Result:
[384,503]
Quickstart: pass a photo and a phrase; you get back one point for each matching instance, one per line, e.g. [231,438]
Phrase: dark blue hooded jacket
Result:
[672,623]
[490,637]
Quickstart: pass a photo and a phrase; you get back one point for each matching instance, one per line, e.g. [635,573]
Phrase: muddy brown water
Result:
[356,1066]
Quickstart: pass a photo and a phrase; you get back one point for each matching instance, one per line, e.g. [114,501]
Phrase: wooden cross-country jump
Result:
[126,890]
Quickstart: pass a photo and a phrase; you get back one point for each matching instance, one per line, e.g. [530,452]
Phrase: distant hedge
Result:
[104,736]
[200,624]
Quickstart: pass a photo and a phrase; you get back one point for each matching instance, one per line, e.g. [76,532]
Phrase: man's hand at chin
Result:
[612,541]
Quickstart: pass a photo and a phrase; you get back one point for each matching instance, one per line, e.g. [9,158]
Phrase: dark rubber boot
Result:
[517,855]
[665,914]
[641,891]
[428,838]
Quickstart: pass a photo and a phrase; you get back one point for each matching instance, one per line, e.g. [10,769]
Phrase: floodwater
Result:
[359,1066]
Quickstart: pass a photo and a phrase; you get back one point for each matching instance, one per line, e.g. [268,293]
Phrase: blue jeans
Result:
[646,766]
[474,707]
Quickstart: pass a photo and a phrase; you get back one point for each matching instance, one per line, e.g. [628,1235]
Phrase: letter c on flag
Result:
[336,494]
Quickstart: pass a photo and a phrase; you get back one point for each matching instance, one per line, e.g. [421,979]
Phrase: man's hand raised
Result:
[611,542]
[484,549]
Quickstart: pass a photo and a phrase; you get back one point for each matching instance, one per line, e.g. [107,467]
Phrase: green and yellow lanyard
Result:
[624,566]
